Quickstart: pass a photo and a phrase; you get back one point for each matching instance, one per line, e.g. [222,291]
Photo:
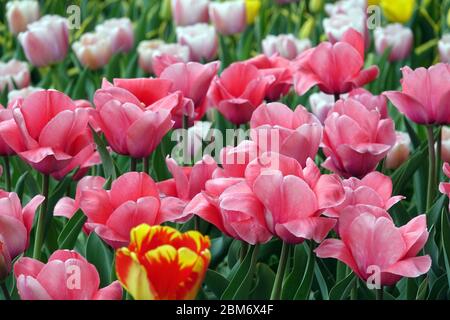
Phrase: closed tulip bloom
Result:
[398,11]
[286,45]
[50,133]
[189,12]
[445,140]
[370,101]
[133,199]
[93,50]
[123,113]
[46,41]
[201,39]
[162,263]
[277,67]
[399,153]
[355,139]
[55,280]
[234,160]
[334,68]
[252,8]
[5,115]
[397,38]
[294,198]
[321,104]
[375,189]
[424,95]
[16,222]
[338,24]
[296,134]
[228,17]
[239,91]
[344,6]
[444,48]
[5,262]
[365,235]
[120,33]
[21,13]
[12,73]
[150,50]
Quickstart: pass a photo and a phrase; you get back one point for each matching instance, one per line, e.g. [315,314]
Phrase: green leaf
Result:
[79,91]
[445,240]
[342,289]
[216,282]
[291,282]
[265,278]
[423,290]
[101,256]
[435,210]
[71,230]
[107,161]
[20,184]
[305,287]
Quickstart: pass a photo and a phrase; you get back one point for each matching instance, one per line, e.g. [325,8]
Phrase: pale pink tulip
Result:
[370,101]
[21,13]
[189,12]
[445,140]
[286,45]
[150,51]
[93,50]
[14,73]
[120,33]
[228,17]
[201,39]
[396,37]
[321,104]
[444,48]
[399,153]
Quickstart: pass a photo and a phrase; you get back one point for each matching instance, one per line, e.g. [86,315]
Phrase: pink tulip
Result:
[356,139]
[21,13]
[444,187]
[296,134]
[286,45]
[150,51]
[335,68]
[189,12]
[344,6]
[234,160]
[371,243]
[201,39]
[14,72]
[193,81]
[239,91]
[5,262]
[46,41]
[16,97]
[119,31]
[397,38]
[5,115]
[445,141]
[66,276]
[228,17]
[321,104]
[230,205]
[375,190]
[370,101]
[93,50]
[294,198]
[16,222]
[132,200]
[49,133]
[444,48]
[338,24]
[124,114]
[399,153]
[424,94]
[277,67]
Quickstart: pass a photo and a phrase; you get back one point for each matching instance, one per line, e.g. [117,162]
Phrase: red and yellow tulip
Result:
[162,263]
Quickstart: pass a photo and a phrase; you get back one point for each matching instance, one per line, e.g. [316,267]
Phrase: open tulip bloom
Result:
[224,150]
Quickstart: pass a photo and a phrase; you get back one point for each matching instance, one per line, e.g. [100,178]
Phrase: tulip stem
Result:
[7,172]
[379,293]
[133,164]
[40,229]
[185,139]
[5,291]
[337,96]
[277,286]
[147,165]
[431,168]
[244,250]
[438,153]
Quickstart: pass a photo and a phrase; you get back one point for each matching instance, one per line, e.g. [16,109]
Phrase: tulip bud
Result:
[286,45]
[189,12]
[5,262]
[321,104]
[399,10]
[444,48]
[14,72]
[315,6]
[445,142]
[338,24]
[20,13]
[399,152]
[396,37]
[228,17]
[307,28]
[93,50]
[119,31]
[149,50]
[201,39]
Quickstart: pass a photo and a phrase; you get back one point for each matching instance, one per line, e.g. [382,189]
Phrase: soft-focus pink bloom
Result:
[228,17]
[189,12]
[46,41]
[425,94]
[370,101]
[396,37]
[193,80]
[123,112]
[132,200]
[296,134]
[399,153]
[375,189]
[16,222]
[445,141]
[444,187]
[5,261]
[286,45]
[20,13]
[239,91]
[355,139]
[201,39]
[344,6]
[14,72]
[49,133]
[444,48]
[338,24]
[234,160]
[93,50]
[294,199]
[321,104]
[150,51]
[335,68]
[51,281]
[120,33]
[5,114]
[277,67]
[372,242]
[17,96]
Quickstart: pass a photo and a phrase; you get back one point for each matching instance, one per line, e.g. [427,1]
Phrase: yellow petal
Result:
[252,8]
[398,11]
